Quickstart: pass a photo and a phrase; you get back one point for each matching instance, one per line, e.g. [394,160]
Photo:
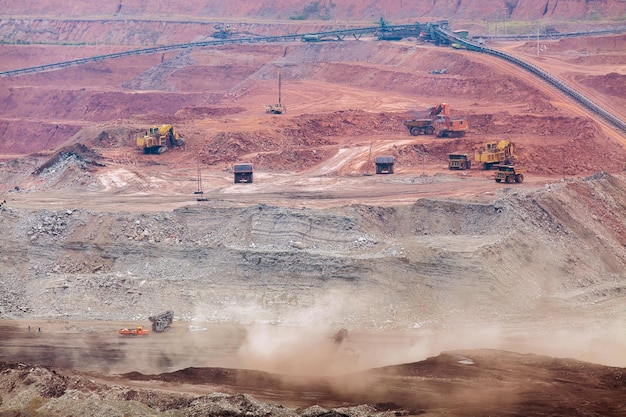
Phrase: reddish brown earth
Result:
[67,142]
[351,96]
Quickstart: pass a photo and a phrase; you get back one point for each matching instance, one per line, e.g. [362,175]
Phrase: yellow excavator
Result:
[159,139]
[495,153]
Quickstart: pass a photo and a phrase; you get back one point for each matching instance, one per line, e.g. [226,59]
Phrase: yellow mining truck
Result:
[459,161]
[510,174]
[495,153]
[419,126]
[159,139]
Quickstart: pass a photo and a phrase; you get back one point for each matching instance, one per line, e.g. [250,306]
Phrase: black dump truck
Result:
[384,164]
[243,173]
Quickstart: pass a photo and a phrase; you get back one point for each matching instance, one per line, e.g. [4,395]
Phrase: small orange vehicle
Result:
[137,331]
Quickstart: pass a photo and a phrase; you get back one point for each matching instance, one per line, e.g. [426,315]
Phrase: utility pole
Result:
[279,86]
[200,191]
[369,159]
[537,41]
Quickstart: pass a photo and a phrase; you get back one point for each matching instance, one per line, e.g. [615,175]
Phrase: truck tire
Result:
[429,130]
[519,178]
[509,179]
[415,131]
[498,180]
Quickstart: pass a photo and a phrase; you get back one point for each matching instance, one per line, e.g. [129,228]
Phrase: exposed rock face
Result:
[354,261]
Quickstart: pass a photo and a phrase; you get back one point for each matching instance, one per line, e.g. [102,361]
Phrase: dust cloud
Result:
[296,338]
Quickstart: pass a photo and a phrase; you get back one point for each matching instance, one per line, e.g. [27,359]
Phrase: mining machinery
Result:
[445,125]
[158,139]
[162,321]
[495,153]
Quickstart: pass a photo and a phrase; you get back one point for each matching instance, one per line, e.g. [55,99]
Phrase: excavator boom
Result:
[445,125]
[443,109]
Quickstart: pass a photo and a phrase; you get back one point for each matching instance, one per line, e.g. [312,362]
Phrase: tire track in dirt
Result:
[323,96]
[352,160]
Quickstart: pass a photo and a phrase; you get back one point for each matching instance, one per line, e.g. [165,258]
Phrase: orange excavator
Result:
[445,125]
[137,331]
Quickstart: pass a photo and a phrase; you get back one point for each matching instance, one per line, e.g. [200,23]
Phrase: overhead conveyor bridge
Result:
[438,32]
[339,34]
[443,35]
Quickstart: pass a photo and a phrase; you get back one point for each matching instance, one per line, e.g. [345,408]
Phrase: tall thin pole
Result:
[279,87]
[200,191]
[537,41]
[369,159]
